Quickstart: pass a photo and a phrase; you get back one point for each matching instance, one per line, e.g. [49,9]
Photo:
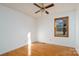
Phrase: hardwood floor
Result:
[41,49]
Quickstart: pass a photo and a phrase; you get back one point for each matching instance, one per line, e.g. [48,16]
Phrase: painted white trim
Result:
[77,49]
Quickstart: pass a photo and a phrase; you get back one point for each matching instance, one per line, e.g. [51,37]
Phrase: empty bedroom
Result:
[39,29]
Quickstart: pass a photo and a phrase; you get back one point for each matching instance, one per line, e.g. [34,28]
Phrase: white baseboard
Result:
[57,44]
[77,49]
[11,49]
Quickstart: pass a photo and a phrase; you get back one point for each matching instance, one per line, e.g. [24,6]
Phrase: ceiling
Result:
[30,9]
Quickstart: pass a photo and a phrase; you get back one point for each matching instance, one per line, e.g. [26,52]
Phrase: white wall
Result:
[77,29]
[14,27]
[46,29]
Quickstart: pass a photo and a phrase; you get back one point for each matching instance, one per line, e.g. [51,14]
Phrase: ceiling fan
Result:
[43,8]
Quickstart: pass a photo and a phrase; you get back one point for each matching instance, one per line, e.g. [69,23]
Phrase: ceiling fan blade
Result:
[46,12]
[49,6]
[37,11]
[37,5]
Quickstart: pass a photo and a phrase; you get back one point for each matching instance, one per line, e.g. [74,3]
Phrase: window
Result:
[61,27]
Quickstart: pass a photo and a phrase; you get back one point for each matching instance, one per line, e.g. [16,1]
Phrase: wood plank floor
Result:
[41,49]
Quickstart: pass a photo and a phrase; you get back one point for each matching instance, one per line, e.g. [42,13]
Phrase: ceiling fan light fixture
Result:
[43,8]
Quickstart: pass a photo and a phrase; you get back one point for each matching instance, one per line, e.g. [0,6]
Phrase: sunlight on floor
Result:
[29,43]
